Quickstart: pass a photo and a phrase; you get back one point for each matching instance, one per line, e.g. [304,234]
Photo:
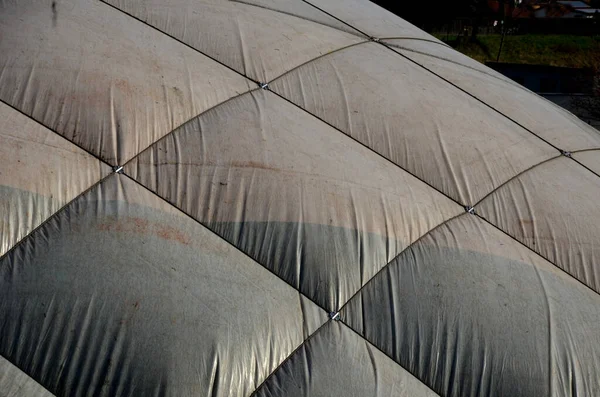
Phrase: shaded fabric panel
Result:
[471,313]
[589,158]
[39,173]
[257,42]
[107,82]
[555,210]
[544,118]
[120,294]
[15,383]
[321,211]
[322,261]
[575,331]
[428,127]
[336,362]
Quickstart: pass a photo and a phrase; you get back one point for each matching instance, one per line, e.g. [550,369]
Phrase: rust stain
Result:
[126,320]
[527,226]
[125,87]
[143,227]
[169,233]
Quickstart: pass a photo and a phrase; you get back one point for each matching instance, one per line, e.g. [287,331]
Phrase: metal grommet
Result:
[118,169]
[335,316]
[470,210]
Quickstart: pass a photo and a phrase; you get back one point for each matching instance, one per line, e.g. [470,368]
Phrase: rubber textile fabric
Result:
[284,198]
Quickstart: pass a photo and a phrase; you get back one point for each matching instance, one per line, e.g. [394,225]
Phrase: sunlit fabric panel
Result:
[590,159]
[371,19]
[106,82]
[554,209]
[15,383]
[39,173]
[442,52]
[428,127]
[305,10]
[303,199]
[255,41]
[540,116]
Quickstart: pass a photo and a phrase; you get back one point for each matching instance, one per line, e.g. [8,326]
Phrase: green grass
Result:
[555,50]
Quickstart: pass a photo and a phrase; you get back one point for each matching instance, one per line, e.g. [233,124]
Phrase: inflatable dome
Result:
[284,198]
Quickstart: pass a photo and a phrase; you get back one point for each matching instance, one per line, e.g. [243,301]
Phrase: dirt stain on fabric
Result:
[54,14]
[144,227]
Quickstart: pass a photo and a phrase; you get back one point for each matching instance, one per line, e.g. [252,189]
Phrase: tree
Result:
[478,11]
